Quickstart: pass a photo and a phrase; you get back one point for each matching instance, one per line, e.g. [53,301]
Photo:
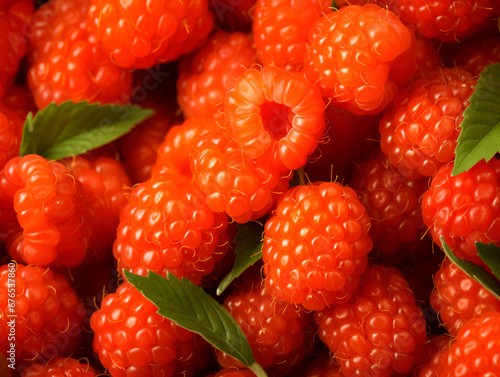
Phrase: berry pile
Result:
[297,167]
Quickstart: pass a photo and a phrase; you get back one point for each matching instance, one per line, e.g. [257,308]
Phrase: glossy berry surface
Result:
[464,208]
[167,227]
[458,298]
[420,130]
[60,366]
[276,111]
[132,339]
[359,56]
[49,314]
[380,330]
[316,245]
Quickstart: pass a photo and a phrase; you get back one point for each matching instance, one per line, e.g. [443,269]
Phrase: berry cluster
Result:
[333,130]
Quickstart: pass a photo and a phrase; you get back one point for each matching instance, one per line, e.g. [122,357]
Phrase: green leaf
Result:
[248,250]
[71,129]
[480,135]
[189,306]
[476,272]
[490,255]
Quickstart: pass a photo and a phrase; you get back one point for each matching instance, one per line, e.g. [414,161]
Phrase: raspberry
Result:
[67,63]
[359,56]
[434,350]
[275,110]
[477,54]
[325,367]
[474,352]
[428,58]
[233,15]
[380,330]
[316,245]
[132,339]
[179,143]
[246,189]
[232,372]
[280,30]
[167,227]
[42,212]
[19,100]
[14,21]
[458,298]
[419,132]
[393,204]
[279,334]
[464,208]
[447,21]
[9,140]
[60,366]
[205,77]
[142,34]
[49,314]
[106,187]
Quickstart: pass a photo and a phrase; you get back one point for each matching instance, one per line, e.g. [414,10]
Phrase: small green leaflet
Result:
[71,129]
[490,255]
[189,306]
[476,272]
[248,250]
[480,135]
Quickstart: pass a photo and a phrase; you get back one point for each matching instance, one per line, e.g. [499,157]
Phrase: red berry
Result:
[132,339]
[428,58]
[280,335]
[280,30]
[233,15]
[9,140]
[464,208]
[278,111]
[67,62]
[43,212]
[419,132]
[48,314]
[477,53]
[142,34]
[167,227]
[359,56]
[457,297]
[380,330]
[205,77]
[316,245]
[60,366]
[232,372]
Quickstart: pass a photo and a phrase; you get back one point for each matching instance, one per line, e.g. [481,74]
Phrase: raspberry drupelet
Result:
[380,330]
[419,131]
[315,245]
[167,227]
[464,208]
[359,56]
[140,34]
[49,314]
[60,366]
[42,212]
[278,111]
[132,339]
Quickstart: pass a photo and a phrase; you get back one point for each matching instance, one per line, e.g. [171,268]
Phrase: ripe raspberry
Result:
[458,298]
[204,77]
[20,101]
[434,350]
[447,21]
[316,245]
[278,111]
[393,204]
[179,143]
[60,366]
[49,314]
[42,212]
[246,189]
[142,34]
[280,30]
[280,335]
[132,339]
[474,352]
[106,187]
[167,227]
[477,54]
[380,330]
[420,130]
[325,367]
[428,58]
[9,140]
[15,17]
[464,208]
[67,63]
[359,56]
[232,372]
[233,15]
